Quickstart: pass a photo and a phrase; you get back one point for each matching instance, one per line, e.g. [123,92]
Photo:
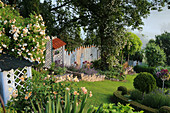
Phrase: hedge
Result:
[139,69]
[137,106]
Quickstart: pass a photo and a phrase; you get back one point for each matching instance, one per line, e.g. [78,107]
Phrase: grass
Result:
[103,90]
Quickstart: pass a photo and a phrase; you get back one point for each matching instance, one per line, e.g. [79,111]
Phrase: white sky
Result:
[156,23]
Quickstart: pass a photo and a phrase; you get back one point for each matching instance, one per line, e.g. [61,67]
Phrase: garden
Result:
[108,84]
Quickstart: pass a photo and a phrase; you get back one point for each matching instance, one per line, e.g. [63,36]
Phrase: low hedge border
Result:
[137,106]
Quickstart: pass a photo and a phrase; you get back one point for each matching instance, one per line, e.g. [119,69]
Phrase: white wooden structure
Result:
[13,73]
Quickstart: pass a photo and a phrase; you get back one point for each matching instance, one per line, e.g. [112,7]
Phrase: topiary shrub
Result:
[164,109]
[144,82]
[123,89]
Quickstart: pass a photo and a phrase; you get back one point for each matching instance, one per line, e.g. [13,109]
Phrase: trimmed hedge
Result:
[139,69]
[137,106]
[164,109]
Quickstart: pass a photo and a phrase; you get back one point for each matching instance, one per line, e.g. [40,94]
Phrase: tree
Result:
[138,56]
[133,44]
[155,55]
[163,41]
[22,37]
[107,19]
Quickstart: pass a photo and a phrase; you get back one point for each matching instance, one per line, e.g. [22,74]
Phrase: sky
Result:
[156,24]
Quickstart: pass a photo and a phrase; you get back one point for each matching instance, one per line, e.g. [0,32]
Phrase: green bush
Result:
[156,100]
[123,89]
[164,109]
[112,108]
[139,69]
[135,95]
[144,82]
[38,88]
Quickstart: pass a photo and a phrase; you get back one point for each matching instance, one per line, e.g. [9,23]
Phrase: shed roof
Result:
[8,62]
[57,43]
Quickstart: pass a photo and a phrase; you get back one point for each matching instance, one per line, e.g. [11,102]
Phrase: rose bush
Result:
[20,36]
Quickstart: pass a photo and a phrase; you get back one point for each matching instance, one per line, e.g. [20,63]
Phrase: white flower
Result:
[22,48]
[29,54]
[12,50]
[67,88]
[16,35]
[5,46]
[5,22]
[25,44]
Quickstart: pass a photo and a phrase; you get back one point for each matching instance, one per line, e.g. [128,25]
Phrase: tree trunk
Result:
[2,102]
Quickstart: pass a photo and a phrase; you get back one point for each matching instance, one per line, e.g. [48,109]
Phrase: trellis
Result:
[12,80]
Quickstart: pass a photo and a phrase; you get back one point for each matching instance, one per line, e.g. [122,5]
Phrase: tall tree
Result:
[163,41]
[107,19]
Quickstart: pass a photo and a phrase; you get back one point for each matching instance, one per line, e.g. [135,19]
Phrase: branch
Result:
[55,8]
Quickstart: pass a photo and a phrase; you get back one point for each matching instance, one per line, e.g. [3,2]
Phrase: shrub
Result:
[112,108]
[135,95]
[139,69]
[123,89]
[164,109]
[144,82]
[38,88]
[156,100]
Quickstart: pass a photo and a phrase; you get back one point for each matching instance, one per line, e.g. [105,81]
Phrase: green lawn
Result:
[103,90]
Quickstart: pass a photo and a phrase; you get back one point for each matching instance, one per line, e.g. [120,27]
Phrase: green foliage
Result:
[123,89]
[57,70]
[136,95]
[133,44]
[112,108]
[138,56]
[164,109]
[7,110]
[163,41]
[144,82]
[59,105]
[139,69]
[155,55]
[137,106]
[39,88]
[156,100]
[20,36]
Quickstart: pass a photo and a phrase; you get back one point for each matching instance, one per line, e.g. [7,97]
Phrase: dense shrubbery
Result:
[139,69]
[144,82]
[136,95]
[38,88]
[20,36]
[156,100]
